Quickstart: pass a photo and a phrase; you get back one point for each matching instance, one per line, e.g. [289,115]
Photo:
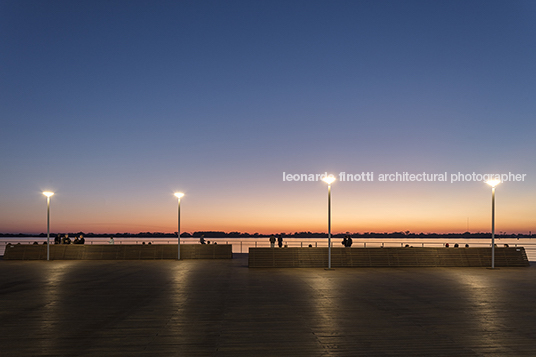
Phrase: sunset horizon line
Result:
[239,234]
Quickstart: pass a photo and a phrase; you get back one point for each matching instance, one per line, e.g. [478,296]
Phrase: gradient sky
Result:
[115,105]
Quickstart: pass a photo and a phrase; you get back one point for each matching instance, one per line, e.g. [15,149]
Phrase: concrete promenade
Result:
[224,308]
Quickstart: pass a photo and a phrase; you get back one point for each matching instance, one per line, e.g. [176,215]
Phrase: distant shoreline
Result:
[218,234]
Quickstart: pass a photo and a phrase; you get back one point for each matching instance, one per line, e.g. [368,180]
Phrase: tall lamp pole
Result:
[179,195]
[329,180]
[48,194]
[493,183]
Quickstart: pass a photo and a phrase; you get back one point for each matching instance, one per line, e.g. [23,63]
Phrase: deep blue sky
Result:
[114,105]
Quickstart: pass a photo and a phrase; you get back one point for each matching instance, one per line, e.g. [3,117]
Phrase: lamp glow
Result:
[48,193]
[493,183]
[179,194]
[329,179]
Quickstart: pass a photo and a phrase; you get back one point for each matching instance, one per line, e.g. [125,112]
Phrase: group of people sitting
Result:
[456,245]
[66,240]
[202,240]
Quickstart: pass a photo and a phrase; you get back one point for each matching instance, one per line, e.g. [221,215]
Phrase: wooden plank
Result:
[386,257]
[118,252]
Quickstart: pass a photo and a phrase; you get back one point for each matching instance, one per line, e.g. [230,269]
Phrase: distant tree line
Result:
[221,234]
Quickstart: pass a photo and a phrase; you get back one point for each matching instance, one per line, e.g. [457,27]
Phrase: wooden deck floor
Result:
[223,308]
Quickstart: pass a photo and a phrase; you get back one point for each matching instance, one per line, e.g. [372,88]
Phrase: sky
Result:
[116,105]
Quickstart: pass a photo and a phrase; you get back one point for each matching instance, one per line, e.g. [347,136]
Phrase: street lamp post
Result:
[329,180]
[179,195]
[493,183]
[48,194]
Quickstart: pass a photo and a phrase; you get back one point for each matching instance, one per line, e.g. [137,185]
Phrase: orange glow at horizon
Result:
[372,217]
[283,208]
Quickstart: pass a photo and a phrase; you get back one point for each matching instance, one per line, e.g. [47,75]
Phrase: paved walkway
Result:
[224,308]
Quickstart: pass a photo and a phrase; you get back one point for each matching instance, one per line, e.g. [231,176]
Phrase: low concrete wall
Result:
[117,251]
[386,257]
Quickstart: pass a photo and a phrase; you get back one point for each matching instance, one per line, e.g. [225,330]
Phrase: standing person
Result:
[272,241]
[349,241]
[202,239]
[280,241]
[111,241]
[345,241]
[82,240]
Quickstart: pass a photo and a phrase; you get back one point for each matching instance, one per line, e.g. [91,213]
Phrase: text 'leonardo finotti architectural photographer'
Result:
[407,177]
